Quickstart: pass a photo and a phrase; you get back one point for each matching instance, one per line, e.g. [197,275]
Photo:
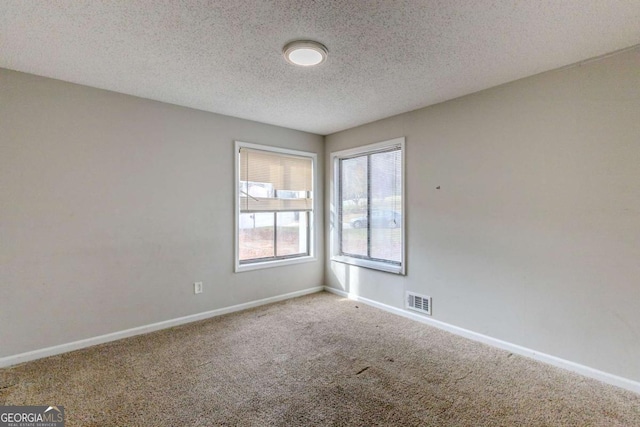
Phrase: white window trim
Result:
[312,232]
[334,235]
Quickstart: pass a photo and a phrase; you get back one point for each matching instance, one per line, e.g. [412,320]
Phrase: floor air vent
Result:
[419,303]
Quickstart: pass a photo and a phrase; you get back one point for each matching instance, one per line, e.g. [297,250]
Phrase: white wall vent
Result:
[419,303]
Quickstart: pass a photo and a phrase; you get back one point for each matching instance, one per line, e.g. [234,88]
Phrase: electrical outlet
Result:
[197,288]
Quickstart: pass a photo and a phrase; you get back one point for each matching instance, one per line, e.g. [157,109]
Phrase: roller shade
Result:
[273,182]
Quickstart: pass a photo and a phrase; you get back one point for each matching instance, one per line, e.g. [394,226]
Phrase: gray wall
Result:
[534,236]
[111,206]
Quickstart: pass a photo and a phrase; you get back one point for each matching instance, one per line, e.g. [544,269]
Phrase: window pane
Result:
[353,205]
[386,206]
[368,200]
[292,233]
[256,235]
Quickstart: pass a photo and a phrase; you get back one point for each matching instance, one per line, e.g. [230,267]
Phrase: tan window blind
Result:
[273,182]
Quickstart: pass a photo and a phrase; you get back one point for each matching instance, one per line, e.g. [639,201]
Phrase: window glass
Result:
[291,233]
[353,202]
[256,236]
[386,206]
[368,194]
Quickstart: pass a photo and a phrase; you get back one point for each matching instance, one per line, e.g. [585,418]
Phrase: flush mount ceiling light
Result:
[305,53]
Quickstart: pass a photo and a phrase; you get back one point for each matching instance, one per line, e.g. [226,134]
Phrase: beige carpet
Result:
[316,360]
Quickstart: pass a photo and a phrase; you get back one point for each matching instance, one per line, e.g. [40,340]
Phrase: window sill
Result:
[374,265]
[275,263]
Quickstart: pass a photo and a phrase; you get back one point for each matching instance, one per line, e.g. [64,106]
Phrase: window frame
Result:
[311,231]
[335,233]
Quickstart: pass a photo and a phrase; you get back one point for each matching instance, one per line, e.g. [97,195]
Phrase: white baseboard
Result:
[76,345]
[494,342]
[523,351]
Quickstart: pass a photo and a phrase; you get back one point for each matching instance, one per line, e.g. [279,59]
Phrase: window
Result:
[368,200]
[274,205]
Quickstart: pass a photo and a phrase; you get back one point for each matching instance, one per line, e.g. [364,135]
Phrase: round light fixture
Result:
[305,53]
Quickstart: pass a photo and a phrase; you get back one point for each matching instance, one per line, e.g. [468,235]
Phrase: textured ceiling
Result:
[385,57]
